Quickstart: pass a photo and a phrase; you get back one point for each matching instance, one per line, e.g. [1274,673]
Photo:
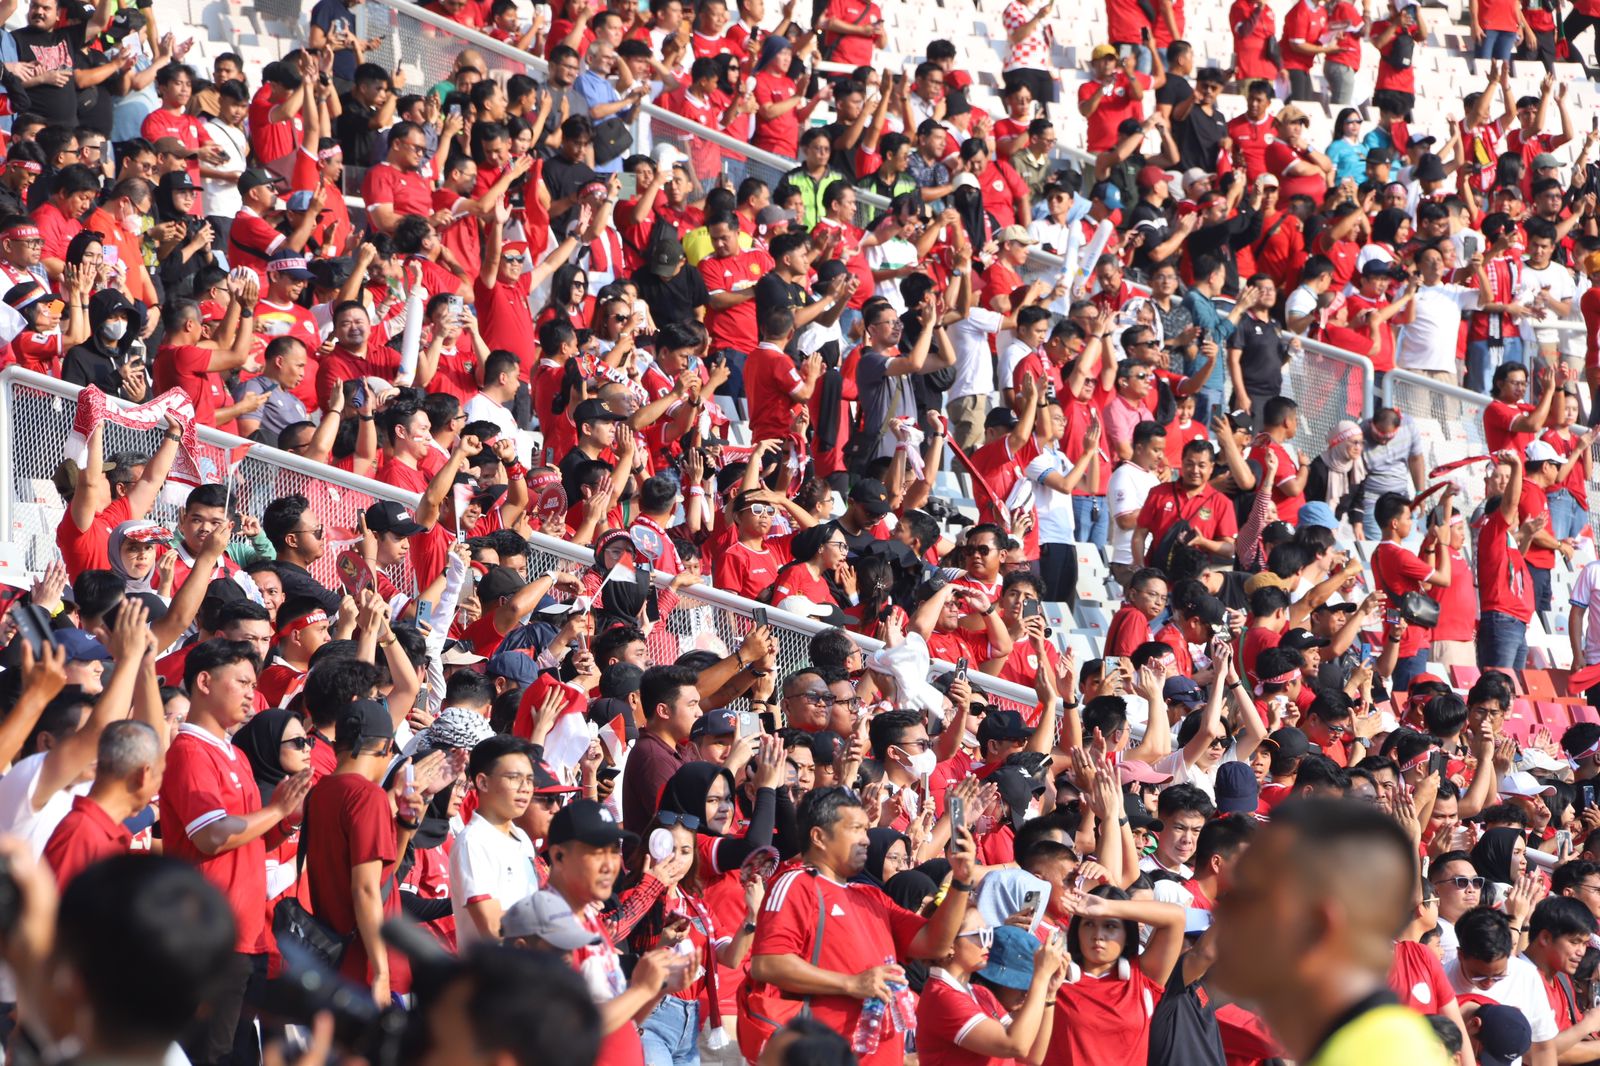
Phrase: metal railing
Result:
[1330,385]
[1449,420]
[38,412]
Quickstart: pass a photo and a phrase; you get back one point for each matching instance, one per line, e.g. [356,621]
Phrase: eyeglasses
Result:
[1462,883]
[419,148]
[851,702]
[814,697]
[841,545]
[515,780]
[912,747]
[984,936]
[1484,980]
[688,821]
[315,531]
[298,743]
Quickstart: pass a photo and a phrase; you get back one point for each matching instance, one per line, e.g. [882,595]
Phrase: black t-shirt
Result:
[565,180]
[353,128]
[1154,234]
[1198,137]
[570,465]
[672,299]
[1175,91]
[1183,1027]
[52,50]
[1261,355]
[95,102]
[773,292]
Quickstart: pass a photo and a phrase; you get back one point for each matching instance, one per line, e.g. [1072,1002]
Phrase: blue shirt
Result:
[1349,160]
[598,90]
[1215,325]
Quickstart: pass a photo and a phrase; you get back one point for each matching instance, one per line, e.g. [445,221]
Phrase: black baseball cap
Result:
[666,257]
[716,723]
[1289,741]
[387,516]
[1301,639]
[498,583]
[587,822]
[1000,418]
[1003,725]
[595,411]
[362,720]
[255,178]
[872,496]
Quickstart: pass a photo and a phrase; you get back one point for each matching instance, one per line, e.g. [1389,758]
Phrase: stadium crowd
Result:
[534,812]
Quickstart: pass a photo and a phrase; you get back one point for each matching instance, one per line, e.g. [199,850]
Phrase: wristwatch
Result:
[749,927]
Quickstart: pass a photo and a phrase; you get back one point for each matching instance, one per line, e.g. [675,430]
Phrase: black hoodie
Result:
[95,361]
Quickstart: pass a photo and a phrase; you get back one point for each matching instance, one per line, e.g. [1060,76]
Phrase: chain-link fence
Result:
[1329,385]
[39,411]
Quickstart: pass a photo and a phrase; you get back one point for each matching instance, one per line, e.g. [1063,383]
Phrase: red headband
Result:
[289,629]
[1424,756]
[26,165]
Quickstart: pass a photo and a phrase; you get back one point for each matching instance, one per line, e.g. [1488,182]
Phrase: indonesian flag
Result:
[93,409]
[570,737]
[614,735]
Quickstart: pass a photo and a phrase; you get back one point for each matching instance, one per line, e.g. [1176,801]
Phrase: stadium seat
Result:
[1538,684]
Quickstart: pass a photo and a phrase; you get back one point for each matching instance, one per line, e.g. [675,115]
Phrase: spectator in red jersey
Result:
[1508,422]
[1254,130]
[868,930]
[1114,93]
[1305,29]
[211,815]
[1144,601]
[127,775]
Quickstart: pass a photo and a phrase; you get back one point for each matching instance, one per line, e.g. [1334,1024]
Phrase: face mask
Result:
[115,329]
[923,763]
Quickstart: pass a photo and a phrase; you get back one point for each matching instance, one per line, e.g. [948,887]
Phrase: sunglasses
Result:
[688,821]
[762,509]
[979,549]
[298,743]
[984,936]
[1462,882]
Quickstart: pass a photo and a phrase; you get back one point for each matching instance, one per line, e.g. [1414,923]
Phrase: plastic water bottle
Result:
[869,1027]
[903,1008]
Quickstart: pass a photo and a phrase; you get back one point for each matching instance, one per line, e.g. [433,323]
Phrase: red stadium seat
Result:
[1539,684]
[1463,676]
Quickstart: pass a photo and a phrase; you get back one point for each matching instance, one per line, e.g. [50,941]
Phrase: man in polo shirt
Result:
[1508,422]
[127,775]
[285,368]
[252,240]
[212,816]
[671,705]
[1193,499]
[396,187]
[1127,408]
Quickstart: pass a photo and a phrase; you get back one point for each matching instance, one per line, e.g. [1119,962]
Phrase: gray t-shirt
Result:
[1386,463]
[283,408]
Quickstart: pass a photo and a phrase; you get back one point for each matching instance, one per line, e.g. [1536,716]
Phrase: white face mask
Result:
[115,329]
[923,763]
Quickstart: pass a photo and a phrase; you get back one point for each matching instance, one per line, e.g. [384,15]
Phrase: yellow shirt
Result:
[1385,1035]
[697,244]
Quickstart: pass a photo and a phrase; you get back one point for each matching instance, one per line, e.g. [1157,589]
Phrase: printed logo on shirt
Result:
[1203,514]
[1422,993]
[837,912]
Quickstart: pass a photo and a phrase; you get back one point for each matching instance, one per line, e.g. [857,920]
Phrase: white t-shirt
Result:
[1130,483]
[1586,594]
[1521,987]
[1055,508]
[1302,301]
[891,255]
[1429,339]
[488,864]
[1561,287]
[1185,773]
[970,339]
[17,816]
[1012,353]
[482,409]
[222,197]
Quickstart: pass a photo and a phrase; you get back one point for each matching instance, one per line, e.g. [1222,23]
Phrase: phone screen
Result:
[628,186]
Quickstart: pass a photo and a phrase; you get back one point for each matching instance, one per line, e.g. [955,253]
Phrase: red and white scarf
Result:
[93,409]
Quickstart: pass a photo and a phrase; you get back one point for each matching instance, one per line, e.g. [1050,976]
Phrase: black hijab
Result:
[261,742]
[685,791]
[879,840]
[1491,856]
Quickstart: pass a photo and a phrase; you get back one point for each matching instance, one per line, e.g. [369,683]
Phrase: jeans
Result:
[1090,519]
[671,1035]
[227,1035]
[1498,44]
[734,386]
[1567,519]
[1502,642]
[1141,56]
[1369,525]
[1407,668]
[1058,569]
[1541,587]
[1207,402]
[1482,359]
[1341,83]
